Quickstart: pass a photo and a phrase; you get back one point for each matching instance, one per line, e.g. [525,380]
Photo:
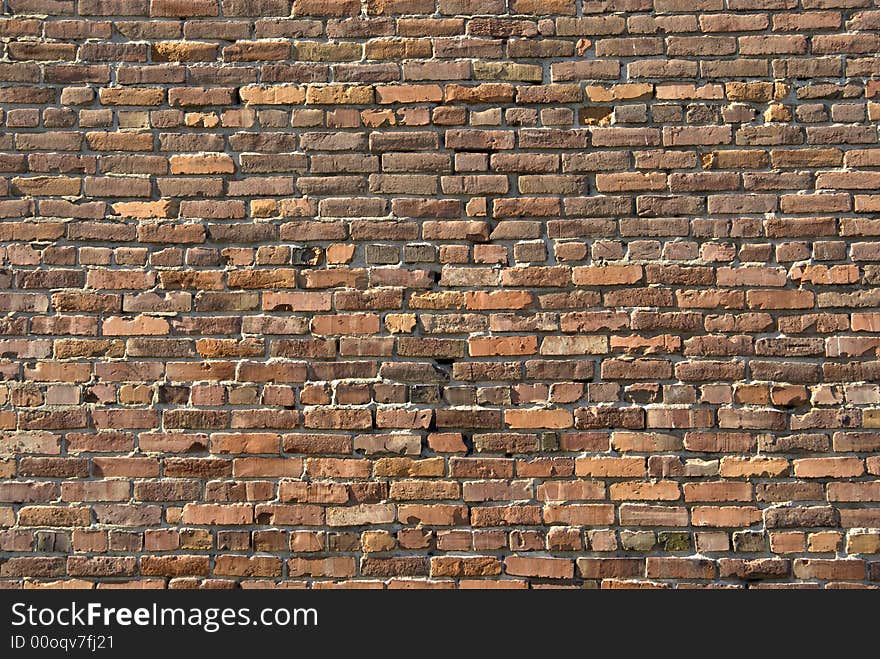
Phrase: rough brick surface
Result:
[465,293]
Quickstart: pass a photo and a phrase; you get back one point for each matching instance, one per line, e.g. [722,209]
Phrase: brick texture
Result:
[453,293]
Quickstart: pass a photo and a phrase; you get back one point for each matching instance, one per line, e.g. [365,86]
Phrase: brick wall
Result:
[461,293]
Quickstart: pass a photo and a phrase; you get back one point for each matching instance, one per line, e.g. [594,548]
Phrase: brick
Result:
[548,568]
